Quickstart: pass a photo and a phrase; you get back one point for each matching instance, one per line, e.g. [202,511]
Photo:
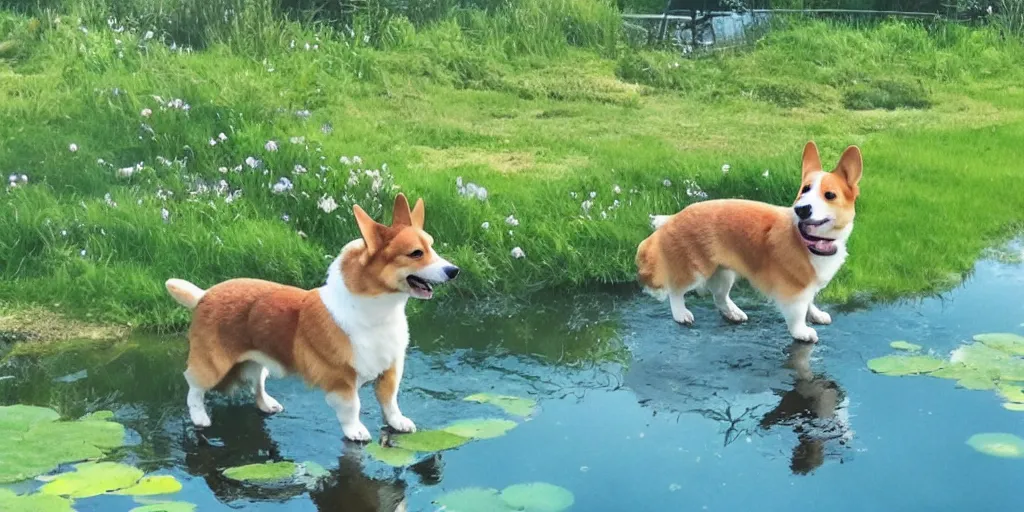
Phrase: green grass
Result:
[542,103]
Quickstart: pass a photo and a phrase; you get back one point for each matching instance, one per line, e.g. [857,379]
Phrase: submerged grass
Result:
[236,148]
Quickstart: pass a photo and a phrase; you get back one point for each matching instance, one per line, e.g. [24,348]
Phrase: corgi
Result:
[788,253]
[350,331]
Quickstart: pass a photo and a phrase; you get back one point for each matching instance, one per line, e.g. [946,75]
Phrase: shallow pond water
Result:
[634,412]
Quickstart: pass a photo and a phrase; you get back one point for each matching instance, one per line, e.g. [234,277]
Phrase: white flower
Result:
[165,215]
[518,253]
[109,200]
[667,183]
[586,206]
[285,217]
[283,185]
[366,38]
[486,225]
[146,112]
[213,142]
[252,162]
[307,46]
[82,253]
[481,194]
[297,140]
[511,221]
[300,169]
[302,114]
[270,146]
[73,148]
[345,161]
[725,168]
[126,172]
[572,195]
[63,232]
[356,160]
[149,35]
[616,189]
[765,173]
[327,204]
[222,137]
[222,170]
[604,215]
[593,195]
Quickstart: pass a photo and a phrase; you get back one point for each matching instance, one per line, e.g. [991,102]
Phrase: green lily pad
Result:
[429,441]
[10,501]
[1012,406]
[472,499]
[905,365]
[513,405]
[313,469]
[537,497]
[167,506]
[998,445]
[983,357]
[1012,393]
[101,434]
[1003,341]
[397,457]
[152,485]
[905,345]
[958,371]
[976,382]
[21,418]
[92,479]
[480,428]
[267,472]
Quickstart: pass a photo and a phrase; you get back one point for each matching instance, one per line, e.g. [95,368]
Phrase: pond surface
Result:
[634,412]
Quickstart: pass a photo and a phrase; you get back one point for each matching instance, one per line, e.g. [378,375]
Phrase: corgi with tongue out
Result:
[350,331]
[788,253]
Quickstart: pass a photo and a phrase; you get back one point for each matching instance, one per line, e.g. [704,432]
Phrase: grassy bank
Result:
[117,126]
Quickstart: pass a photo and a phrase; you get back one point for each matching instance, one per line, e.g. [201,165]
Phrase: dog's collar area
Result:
[817,245]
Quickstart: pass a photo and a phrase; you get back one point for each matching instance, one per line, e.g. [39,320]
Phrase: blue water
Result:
[636,412]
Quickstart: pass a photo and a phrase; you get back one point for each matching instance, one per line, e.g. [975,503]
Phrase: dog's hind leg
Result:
[257,374]
[196,400]
[720,284]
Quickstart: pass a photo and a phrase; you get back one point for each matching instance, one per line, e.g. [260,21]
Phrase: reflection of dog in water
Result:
[816,409]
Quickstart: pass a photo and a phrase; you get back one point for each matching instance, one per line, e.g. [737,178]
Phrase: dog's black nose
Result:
[451,272]
[804,212]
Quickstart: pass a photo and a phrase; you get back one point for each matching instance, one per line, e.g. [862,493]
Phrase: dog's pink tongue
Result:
[824,246]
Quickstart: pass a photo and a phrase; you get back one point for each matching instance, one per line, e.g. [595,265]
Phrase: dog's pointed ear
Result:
[850,167]
[418,214]
[812,162]
[369,228]
[401,216]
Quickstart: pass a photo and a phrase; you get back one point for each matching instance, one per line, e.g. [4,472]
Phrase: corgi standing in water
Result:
[337,337]
[788,253]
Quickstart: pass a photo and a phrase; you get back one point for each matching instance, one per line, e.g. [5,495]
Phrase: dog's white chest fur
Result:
[376,326]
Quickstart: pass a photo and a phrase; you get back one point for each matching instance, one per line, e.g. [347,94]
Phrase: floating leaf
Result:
[101,434]
[1011,406]
[480,428]
[152,485]
[1003,341]
[905,365]
[983,357]
[998,445]
[267,472]
[10,501]
[976,382]
[397,457]
[168,506]
[99,415]
[429,441]
[905,345]
[472,499]
[313,469]
[513,405]
[537,497]
[960,371]
[20,418]
[92,479]
[1012,393]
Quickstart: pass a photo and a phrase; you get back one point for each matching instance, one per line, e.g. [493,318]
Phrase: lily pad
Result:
[1003,341]
[10,501]
[983,357]
[20,418]
[153,485]
[267,472]
[958,371]
[513,405]
[1012,393]
[92,479]
[397,457]
[905,345]
[537,497]
[976,382]
[998,445]
[905,365]
[472,499]
[429,441]
[313,469]
[1012,406]
[480,428]
[168,506]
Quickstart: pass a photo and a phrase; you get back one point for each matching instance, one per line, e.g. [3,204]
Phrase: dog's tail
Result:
[186,293]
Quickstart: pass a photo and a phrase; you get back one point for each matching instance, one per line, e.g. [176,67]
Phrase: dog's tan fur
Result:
[709,242]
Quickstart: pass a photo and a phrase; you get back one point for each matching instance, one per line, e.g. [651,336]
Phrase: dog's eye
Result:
[417,254]
[830,195]
[806,189]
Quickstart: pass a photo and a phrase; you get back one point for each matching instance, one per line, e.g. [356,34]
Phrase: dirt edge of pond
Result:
[38,325]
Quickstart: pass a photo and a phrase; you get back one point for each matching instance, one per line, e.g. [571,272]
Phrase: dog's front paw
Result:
[200,418]
[356,432]
[734,314]
[402,424]
[684,316]
[805,334]
[817,316]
